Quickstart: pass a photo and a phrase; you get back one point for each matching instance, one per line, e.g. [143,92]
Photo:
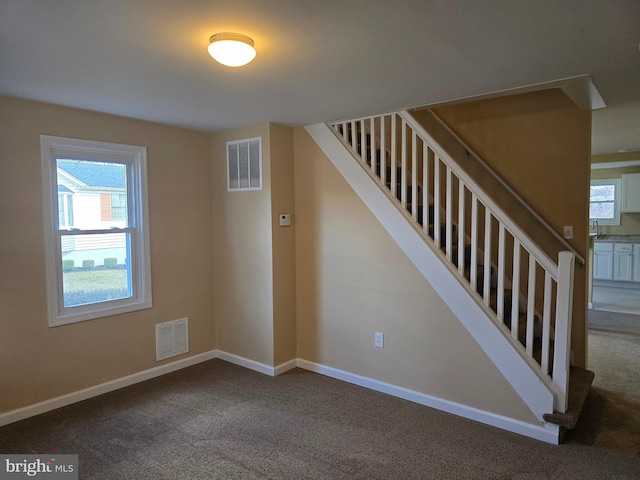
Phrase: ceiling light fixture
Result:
[231,49]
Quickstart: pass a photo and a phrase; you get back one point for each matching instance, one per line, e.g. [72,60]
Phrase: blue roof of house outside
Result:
[63,189]
[95,174]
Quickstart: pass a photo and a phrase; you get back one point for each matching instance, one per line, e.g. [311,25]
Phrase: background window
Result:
[118,206]
[97,254]
[65,210]
[604,201]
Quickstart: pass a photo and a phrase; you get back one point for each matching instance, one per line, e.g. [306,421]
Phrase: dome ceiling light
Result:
[231,49]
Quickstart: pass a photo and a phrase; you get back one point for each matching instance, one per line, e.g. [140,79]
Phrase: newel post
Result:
[562,348]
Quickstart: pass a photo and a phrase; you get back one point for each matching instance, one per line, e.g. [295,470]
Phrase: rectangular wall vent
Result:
[244,165]
[172,338]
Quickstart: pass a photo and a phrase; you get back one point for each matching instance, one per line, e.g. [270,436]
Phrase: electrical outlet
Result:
[379,340]
[568,232]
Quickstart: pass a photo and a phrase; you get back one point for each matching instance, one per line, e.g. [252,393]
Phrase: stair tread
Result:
[580,381]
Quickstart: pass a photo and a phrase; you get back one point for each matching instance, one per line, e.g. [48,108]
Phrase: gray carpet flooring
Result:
[220,421]
[611,414]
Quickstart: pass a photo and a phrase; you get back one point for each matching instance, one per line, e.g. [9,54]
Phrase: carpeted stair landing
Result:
[580,381]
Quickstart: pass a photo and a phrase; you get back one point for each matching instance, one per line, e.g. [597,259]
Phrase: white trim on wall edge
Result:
[256,366]
[548,433]
[545,432]
[80,395]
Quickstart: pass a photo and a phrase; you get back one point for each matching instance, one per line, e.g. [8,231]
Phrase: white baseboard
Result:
[73,397]
[80,395]
[256,366]
[286,366]
[245,362]
[545,432]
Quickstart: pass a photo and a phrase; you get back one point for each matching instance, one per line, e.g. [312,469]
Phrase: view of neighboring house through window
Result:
[604,201]
[97,245]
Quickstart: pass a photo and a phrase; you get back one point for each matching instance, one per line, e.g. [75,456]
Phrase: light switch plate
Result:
[568,232]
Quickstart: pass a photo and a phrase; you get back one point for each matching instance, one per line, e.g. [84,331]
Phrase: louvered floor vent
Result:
[172,338]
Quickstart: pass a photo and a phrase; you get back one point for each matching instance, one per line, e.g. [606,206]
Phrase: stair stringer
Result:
[496,343]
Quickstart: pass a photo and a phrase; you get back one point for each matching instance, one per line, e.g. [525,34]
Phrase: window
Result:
[244,164]
[65,209]
[118,206]
[604,201]
[95,222]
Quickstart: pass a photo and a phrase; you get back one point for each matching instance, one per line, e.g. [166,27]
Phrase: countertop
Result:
[618,238]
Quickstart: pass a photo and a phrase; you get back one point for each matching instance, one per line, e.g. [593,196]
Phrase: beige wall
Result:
[243,242]
[629,222]
[284,269]
[39,363]
[353,280]
[540,144]
[254,257]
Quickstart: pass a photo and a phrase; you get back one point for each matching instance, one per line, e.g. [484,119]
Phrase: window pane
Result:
[602,193]
[94,186]
[95,268]
[601,210]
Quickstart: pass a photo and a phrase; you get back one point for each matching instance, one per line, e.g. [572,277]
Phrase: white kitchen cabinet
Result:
[631,193]
[603,261]
[636,262]
[622,261]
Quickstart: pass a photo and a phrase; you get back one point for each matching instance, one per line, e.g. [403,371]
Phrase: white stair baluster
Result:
[436,200]
[448,216]
[531,298]
[486,285]
[363,142]
[354,137]
[383,151]
[461,249]
[394,162]
[372,148]
[501,262]
[414,176]
[403,170]
[515,290]
[425,187]
[546,323]
[473,273]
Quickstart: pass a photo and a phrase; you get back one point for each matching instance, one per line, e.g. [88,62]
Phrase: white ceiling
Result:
[318,60]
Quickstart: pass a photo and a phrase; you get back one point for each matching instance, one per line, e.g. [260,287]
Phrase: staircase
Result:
[461,253]
[517,300]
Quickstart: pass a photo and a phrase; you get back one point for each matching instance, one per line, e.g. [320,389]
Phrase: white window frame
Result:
[135,159]
[248,141]
[617,183]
